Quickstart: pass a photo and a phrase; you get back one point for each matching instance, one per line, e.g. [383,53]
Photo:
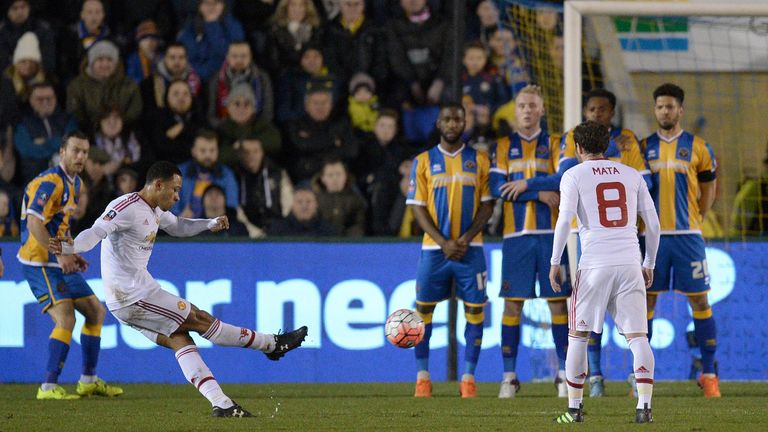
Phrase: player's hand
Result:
[623,142]
[68,263]
[82,264]
[648,277]
[550,198]
[220,223]
[453,250]
[554,278]
[56,245]
[511,190]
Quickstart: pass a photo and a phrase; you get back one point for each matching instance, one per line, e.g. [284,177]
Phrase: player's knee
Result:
[513,308]
[97,313]
[65,321]
[425,309]
[558,307]
[699,303]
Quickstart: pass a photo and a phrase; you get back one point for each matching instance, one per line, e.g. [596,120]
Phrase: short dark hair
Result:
[475,45]
[669,89]
[43,84]
[74,134]
[592,137]
[162,170]
[214,187]
[389,112]
[601,93]
[175,44]
[207,134]
[448,105]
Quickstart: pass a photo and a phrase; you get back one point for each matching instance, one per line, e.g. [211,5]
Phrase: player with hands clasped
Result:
[129,225]
[606,198]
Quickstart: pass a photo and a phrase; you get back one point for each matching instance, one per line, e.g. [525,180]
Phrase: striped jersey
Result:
[677,166]
[451,186]
[533,158]
[51,197]
[632,157]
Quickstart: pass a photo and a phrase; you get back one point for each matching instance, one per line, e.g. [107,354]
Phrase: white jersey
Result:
[131,226]
[606,197]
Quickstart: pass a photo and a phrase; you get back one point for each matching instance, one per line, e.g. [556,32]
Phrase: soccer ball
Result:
[404,328]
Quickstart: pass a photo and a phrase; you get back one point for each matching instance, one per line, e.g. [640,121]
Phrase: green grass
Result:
[381,407]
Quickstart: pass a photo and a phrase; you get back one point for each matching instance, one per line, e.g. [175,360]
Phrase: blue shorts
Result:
[51,286]
[435,274]
[523,258]
[683,259]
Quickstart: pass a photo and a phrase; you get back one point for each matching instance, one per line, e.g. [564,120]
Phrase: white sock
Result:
[197,373]
[422,374]
[643,363]
[509,376]
[576,369]
[467,377]
[48,386]
[225,334]
[88,379]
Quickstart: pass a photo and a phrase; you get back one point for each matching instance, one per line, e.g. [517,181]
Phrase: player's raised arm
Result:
[183,227]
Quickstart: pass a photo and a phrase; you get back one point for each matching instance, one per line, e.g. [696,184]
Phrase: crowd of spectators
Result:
[293,117]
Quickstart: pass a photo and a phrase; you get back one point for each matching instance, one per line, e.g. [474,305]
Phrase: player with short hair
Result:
[623,147]
[135,298]
[525,175]
[683,170]
[451,201]
[606,197]
[49,201]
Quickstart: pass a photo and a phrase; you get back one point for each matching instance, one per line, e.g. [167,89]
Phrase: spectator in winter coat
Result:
[293,85]
[80,37]
[239,68]
[304,219]
[174,66]
[362,103]
[102,85]
[38,136]
[338,202]
[485,87]
[18,79]
[208,35]
[142,63]
[175,126]
[18,21]
[296,24]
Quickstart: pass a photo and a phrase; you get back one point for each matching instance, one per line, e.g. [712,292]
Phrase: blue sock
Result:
[58,348]
[704,328]
[510,339]
[422,349]
[473,334]
[560,335]
[90,342]
[594,349]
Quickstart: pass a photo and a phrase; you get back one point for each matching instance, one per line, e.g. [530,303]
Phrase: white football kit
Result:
[129,227]
[606,198]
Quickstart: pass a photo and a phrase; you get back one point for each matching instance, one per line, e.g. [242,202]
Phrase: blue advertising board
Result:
[344,292]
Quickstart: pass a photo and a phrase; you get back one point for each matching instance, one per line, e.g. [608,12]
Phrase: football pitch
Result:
[677,406]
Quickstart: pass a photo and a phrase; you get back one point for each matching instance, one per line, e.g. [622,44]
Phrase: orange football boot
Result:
[423,388]
[710,385]
[468,389]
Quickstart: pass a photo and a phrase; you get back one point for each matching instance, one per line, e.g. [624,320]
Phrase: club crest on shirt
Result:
[469,165]
[542,151]
[181,305]
[110,215]
[683,153]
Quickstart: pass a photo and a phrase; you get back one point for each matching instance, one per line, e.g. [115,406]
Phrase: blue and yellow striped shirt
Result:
[52,197]
[631,157]
[536,159]
[451,186]
[677,167]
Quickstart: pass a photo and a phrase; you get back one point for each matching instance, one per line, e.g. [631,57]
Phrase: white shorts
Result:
[159,313]
[618,289]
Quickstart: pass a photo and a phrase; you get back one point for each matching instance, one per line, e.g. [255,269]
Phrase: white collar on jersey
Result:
[532,137]
[451,154]
[661,137]
[71,179]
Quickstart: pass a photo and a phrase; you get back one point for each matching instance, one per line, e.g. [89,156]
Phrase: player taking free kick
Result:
[135,298]
[606,198]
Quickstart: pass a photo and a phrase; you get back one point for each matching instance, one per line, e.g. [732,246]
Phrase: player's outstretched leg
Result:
[223,334]
[594,351]
[63,315]
[90,342]
[473,335]
[576,374]
[423,380]
[643,363]
[510,339]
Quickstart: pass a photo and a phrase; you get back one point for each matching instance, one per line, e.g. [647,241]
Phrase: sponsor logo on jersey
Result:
[181,305]
[110,215]
[244,333]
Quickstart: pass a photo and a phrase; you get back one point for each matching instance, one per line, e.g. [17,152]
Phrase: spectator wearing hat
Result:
[208,35]
[202,170]
[239,68]
[353,43]
[304,220]
[293,85]
[174,66]
[317,136]
[38,135]
[242,121]
[127,15]
[143,62]
[295,24]
[362,103]
[102,85]
[80,37]
[98,188]
[19,21]
[18,79]
[174,127]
